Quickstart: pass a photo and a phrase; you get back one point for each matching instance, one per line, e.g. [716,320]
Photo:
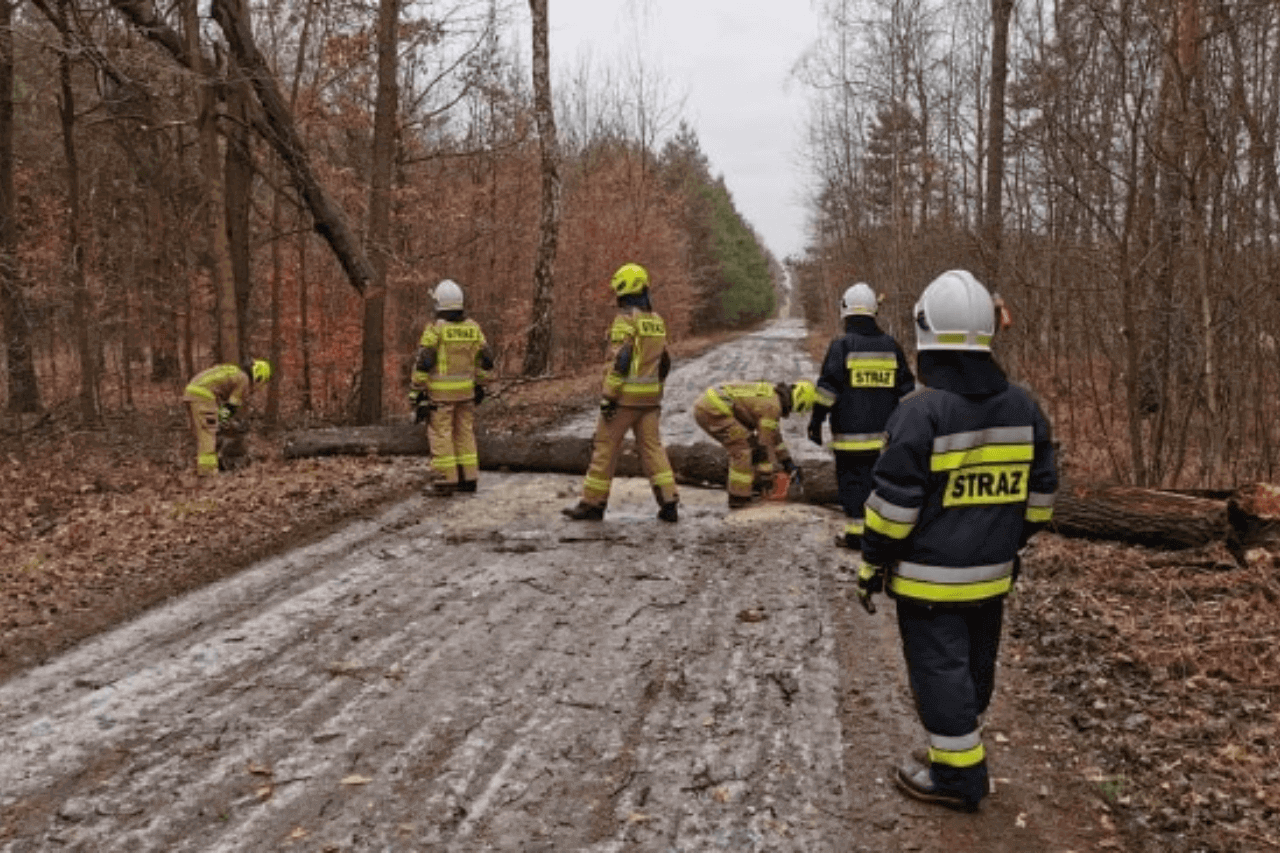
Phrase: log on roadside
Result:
[702,464]
[1157,519]
[1139,516]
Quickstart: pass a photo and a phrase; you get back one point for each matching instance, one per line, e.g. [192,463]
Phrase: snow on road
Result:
[480,673]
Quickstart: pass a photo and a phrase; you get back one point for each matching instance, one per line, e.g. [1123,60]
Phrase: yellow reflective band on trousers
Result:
[966,751]
[855,527]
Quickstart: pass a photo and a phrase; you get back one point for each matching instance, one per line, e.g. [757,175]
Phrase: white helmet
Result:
[955,312]
[448,296]
[859,299]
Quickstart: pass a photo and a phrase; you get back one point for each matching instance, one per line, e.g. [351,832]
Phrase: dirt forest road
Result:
[480,674]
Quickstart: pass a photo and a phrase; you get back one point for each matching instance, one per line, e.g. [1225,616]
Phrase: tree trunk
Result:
[24,396]
[537,354]
[238,171]
[1157,519]
[330,222]
[214,191]
[993,210]
[378,233]
[89,404]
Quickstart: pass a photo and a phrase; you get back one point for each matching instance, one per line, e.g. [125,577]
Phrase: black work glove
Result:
[815,431]
[608,408]
[224,415]
[421,404]
[788,466]
[478,394]
[870,582]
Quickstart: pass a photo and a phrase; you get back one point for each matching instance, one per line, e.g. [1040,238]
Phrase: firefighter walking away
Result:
[965,478]
[450,369]
[213,396]
[631,400]
[864,375]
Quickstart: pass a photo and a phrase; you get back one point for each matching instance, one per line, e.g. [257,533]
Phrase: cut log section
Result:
[1250,518]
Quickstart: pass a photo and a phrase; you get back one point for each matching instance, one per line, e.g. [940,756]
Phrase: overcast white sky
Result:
[730,61]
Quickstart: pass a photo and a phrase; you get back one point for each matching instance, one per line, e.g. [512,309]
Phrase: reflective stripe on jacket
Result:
[864,374]
[756,406]
[638,359]
[452,357]
[961,483]
[222,383]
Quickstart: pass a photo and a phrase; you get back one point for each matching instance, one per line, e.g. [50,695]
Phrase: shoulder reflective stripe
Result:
[716,401]
[879,357]
[977,438]
[197,391]
[953,459]
[892,512]
[949,593]
[953,574]
[892,529]
[620,330]
[1041,499]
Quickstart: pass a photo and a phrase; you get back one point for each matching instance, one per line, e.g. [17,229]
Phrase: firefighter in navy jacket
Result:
[965,478]
[864,375]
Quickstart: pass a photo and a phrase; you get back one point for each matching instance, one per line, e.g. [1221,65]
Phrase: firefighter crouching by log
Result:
[745,418]
[864,375]
[965,478]
[631,400]
[446,385]
[213,396]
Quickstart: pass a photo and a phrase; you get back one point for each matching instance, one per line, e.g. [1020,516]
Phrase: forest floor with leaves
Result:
[1153,675]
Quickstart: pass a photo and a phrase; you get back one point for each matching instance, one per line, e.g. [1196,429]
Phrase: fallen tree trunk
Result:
[1150,517]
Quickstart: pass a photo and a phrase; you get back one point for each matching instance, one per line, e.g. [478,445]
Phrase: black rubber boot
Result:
[917,784]
[468,486]
[668,512]
[584,512]
[740,501]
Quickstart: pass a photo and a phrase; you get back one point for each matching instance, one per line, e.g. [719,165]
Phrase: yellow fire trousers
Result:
[452,435]
[204,426]
[736,439]
[607,446]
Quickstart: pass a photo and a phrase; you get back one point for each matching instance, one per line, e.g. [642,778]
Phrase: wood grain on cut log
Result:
[1139,516]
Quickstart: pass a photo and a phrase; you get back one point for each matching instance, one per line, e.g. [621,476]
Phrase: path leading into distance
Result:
[481,674]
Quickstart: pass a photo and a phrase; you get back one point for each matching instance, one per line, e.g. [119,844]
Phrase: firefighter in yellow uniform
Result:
[744,417]
[447,384]
[213,396]
[631,400]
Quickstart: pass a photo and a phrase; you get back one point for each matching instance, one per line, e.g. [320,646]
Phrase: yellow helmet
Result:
[261,370]
[803,396]
[629,279]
